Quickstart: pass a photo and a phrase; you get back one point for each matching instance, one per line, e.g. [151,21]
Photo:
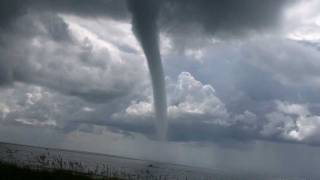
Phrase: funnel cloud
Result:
[144,24]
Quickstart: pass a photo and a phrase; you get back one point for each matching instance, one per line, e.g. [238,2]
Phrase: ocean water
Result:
[102,165]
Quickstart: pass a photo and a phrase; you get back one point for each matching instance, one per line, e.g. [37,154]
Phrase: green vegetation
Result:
[13,172]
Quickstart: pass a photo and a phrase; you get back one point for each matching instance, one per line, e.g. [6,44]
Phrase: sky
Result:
[242,80]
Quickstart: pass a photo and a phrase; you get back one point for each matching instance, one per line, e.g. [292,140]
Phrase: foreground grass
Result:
[12,172]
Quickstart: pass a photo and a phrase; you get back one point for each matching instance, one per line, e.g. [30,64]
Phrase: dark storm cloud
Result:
[190,23]
[10,9]
[115,8]
[214,16]
[229,17]
[193,23]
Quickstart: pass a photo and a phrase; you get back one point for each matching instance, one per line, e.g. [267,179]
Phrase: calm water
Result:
[113,166]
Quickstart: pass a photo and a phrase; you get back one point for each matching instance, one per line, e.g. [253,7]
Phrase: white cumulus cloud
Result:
[293,122]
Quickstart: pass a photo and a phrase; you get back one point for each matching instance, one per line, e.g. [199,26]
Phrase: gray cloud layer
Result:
[225,18]
[238,93]
[214,16]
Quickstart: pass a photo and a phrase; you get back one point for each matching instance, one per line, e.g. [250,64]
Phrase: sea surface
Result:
[102,165]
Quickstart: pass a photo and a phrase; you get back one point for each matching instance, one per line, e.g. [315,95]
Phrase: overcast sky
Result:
[242,81]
